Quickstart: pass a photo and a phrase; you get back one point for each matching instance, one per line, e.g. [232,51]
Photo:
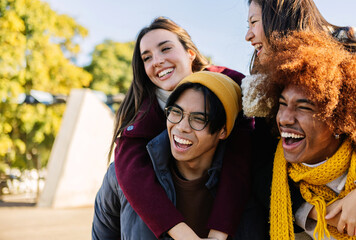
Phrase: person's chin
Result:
[293,157]
[180,156]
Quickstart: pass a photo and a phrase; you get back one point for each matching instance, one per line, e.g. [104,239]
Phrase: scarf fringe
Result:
[312,186]
[321,229]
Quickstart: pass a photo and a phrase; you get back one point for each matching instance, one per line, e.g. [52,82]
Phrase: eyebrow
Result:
[305,101]
[176,105]
[253,15]
[302,100]
[158,45]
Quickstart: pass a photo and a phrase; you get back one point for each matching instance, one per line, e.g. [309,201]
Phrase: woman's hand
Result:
[345,211]
[182,231]
[215,234]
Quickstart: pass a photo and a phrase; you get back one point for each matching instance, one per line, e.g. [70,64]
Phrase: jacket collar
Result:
[159,150]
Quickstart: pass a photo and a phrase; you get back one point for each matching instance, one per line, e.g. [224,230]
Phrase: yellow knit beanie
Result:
[228,92]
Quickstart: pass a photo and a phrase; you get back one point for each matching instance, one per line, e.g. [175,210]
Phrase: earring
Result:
[337,136]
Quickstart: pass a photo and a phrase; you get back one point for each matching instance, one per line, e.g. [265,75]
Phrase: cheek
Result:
[262,33]
[204,136]
[183,58]
[326,134]
[257,30]
[188,67]
[262,36]
[321,132]
[169,127]
[147,68]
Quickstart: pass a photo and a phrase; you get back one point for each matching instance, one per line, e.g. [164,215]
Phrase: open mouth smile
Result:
[291,140]
[258,48]
[165,72]
[182,143]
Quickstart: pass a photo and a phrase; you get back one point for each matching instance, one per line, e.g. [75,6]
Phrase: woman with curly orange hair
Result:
[309,80]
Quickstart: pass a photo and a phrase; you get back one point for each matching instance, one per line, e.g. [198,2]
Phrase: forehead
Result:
[191,100]
[155,37]
[293,92]
[254,10]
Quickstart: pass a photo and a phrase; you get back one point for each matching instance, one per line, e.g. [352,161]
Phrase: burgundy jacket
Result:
[135,173]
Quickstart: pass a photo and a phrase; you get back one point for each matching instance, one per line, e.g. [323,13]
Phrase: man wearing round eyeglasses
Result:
[187,157]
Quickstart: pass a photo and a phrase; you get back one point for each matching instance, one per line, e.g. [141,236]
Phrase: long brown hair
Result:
[141,86]
[283,16]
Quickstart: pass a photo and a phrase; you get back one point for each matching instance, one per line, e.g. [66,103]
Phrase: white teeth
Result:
[258,46]
[165,72]
[182,141]
[291,135]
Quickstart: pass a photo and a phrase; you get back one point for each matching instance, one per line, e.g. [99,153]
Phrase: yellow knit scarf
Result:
[312,187]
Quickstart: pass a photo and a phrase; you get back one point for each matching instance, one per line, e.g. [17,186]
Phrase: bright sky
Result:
[218,28]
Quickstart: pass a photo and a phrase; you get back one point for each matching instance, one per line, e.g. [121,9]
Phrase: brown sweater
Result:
[194,201]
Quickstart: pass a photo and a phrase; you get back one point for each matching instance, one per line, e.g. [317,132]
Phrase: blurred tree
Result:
[37,47]
[111,67]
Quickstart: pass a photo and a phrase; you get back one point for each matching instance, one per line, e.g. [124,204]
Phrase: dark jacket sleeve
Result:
[135,173]
[106,222]
[234,185]
[264,147]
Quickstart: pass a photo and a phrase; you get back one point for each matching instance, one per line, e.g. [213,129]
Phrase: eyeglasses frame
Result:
[166,111]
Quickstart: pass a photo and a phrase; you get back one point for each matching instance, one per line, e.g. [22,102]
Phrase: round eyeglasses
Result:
[197,120]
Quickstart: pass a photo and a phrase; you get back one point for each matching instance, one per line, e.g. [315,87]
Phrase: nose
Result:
[285,116]
[183,125]
[157,61]
[249,35]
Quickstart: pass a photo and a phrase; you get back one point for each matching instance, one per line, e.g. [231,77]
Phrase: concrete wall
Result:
[78,159]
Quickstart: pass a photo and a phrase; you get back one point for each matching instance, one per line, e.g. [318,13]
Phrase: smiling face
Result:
[165,60]
[255,33]
[306,139]
[189,146]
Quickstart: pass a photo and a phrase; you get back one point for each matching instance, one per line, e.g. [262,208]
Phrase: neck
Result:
[192,170]
[162,96]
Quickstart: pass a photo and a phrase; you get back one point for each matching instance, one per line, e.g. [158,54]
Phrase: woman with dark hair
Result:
[164,54]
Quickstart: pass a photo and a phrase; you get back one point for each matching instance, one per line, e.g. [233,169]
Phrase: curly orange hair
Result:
[322,68]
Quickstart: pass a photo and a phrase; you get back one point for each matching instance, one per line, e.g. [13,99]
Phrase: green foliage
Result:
[36,48]
[111,67]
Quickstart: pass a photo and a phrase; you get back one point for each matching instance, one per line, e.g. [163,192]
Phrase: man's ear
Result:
[222,133]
